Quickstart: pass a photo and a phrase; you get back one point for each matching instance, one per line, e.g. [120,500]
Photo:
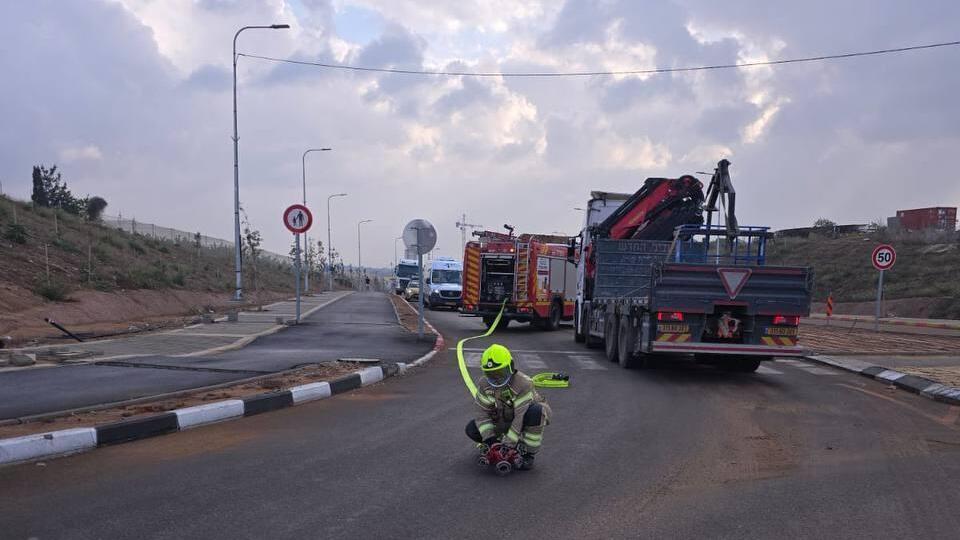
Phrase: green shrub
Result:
[66,245]
[179,279]
[163,249]
[135,246]
[54,291]
[15,233]
[110,240]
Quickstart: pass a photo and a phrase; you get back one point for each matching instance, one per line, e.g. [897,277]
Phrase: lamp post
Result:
[329,241]
[306,239]
[396,260]
[359,258]
[238,294]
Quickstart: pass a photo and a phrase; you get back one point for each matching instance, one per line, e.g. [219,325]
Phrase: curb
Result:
[888,321]
[71,441]
[438,345]
[911,383]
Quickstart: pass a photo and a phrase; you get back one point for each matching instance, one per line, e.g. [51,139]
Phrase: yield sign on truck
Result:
[297,218]
[734,279]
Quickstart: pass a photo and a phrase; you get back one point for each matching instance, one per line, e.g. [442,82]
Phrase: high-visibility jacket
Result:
[500,410]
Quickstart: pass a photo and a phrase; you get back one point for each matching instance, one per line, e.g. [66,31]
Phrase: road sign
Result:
[420,234]
[297,218]
[883,257]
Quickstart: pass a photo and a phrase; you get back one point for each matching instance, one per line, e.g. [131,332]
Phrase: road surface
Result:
[682,451]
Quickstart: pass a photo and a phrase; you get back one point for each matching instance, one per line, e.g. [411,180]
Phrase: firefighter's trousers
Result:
[534,420]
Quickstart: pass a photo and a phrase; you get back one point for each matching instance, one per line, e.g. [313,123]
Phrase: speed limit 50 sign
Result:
[883,257]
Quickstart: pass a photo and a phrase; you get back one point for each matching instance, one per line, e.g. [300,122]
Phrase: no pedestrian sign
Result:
[297,218]
[883,257]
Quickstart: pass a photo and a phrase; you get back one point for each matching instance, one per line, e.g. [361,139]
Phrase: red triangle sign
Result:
[734,279]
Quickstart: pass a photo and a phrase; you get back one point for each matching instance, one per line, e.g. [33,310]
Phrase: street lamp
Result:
[306,239]
[329,242]
[396,261]
[238,294]
[359,260]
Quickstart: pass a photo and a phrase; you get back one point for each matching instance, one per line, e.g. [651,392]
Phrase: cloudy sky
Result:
[132,99]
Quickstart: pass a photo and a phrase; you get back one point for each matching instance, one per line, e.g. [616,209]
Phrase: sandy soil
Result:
[309,374]
[918,308]
[22,319]
[833,340]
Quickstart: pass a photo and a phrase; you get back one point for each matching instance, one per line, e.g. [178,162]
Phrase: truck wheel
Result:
[592,342]
[610,327]
[626,343]
[578,336]
[742,365]
[553,321]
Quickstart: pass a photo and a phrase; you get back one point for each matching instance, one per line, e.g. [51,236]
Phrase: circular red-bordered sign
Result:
[297,218]
[883,257]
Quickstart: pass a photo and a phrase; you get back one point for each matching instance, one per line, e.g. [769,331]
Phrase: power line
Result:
[602,73]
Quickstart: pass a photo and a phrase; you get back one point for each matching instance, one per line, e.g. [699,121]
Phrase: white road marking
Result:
[472,359]
[530,361]
[813,370]
[768,371]
[792,362]
[587,362]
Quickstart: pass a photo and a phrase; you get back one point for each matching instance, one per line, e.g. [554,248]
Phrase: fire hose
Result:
[542,380]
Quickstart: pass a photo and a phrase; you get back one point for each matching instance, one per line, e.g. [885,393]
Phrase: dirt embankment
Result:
[22,315]
[919,308]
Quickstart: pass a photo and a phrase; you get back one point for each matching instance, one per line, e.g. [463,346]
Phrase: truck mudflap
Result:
[725,348]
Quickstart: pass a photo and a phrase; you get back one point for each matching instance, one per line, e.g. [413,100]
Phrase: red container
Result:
[940,218]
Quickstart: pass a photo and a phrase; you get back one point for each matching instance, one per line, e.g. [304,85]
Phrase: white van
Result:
[442,283]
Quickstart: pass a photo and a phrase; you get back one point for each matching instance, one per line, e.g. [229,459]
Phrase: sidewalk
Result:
[355,325]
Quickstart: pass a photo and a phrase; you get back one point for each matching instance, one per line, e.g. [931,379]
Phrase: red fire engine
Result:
[535,274]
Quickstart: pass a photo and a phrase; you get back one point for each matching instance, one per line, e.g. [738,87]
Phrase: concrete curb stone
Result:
[911,383]
[69,441]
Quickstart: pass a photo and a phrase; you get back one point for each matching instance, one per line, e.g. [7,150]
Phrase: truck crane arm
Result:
[721,188]
[655,210]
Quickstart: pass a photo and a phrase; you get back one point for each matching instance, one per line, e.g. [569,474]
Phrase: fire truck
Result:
[535,274]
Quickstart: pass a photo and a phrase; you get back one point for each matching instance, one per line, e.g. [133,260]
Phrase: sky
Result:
[132,100]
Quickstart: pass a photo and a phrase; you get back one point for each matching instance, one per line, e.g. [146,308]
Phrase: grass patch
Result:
[65,245]
[54,291]
[136,247]
[15,233]
[110,240]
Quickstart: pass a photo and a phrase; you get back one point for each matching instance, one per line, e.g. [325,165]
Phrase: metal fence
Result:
[176,235]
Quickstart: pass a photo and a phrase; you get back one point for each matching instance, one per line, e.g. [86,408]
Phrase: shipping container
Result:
[918,219]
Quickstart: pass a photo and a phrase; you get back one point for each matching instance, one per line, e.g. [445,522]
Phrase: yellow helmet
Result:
[497,365]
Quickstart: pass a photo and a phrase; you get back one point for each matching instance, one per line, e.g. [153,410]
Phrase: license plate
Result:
[780,331]
[674,328]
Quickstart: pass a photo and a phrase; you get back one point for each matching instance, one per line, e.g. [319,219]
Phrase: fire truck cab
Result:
[535,276]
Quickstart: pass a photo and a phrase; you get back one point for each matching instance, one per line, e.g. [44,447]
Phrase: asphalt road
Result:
[681,451]
[361,325]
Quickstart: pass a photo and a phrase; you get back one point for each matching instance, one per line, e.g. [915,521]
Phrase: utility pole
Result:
[463,226]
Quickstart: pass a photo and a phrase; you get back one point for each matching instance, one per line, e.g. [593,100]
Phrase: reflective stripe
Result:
[485,427]
[522,399]
[485,401]
[513,436]
[532,444]
[532,437]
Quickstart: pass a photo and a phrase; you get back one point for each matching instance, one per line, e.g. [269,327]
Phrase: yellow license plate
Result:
[780,331]
[674,328]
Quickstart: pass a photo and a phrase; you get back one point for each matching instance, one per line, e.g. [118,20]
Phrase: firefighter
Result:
[509,409]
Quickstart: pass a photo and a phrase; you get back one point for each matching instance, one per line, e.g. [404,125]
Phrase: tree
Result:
[50,191]
[824,223]
[95,207]
[250,247]
[321,260]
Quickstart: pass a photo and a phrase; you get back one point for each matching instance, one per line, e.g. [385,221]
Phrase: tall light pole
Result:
[306,239]
[329,241]
[359,259]
[396,261]
[238,294]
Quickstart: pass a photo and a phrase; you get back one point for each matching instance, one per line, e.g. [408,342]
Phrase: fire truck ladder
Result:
[522,272]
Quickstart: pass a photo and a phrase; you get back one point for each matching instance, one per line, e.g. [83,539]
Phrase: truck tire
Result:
[610,342]
[592,342]
[578,336]
[552,322]
[626,345]
[742,365]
